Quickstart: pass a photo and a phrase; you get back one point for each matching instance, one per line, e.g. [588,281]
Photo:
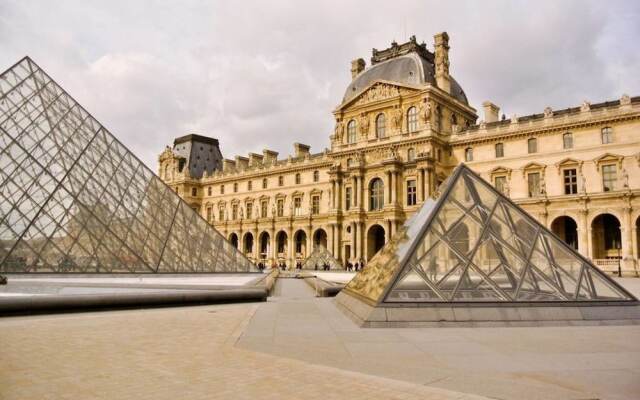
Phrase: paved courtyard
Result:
[299,346]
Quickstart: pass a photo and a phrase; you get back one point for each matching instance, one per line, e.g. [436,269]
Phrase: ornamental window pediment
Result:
[316,191]
[607,159]
[533,167]
[569,163]
[281,196]
[501,171]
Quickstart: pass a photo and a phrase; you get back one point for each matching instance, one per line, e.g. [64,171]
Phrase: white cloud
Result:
[266,74]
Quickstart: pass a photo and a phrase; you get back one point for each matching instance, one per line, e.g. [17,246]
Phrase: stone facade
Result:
[403,125]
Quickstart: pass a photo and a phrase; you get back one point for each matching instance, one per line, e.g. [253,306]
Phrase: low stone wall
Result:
[322,287]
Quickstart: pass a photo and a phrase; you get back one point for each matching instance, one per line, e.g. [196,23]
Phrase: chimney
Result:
[255,159]
[491,111]
[357,66]
[228,165]
[301,150]
[442,61]
[269,156]
[241,162]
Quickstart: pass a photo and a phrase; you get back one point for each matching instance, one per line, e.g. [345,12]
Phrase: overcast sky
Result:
[265,74]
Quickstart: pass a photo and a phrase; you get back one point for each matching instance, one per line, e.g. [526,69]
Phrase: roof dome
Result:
[413,68]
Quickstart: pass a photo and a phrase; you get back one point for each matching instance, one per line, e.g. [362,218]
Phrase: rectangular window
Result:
[263,208]
[468,154]
[609,177]
[567,141]
[570,181]
[221,214]
[249,210]
[499,150]
[209,191]
[194,191]
[235,187]
[533,181]
[234,212]
[532,145]
[209,213]
[500,183]
[280,207]
[280,180]
[347,198]
[221,189]
[411,192]
[297,206]
[315,205]
[607,135]
[249,185]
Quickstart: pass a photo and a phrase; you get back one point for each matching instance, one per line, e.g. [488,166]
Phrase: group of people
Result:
[325,267]
[355,267]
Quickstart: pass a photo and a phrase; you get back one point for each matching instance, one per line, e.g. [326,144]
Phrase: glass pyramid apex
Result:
[73,199]
[473,245]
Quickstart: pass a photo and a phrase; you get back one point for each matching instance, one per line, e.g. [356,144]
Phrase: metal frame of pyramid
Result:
[73,199]
[474,245]
[319,256]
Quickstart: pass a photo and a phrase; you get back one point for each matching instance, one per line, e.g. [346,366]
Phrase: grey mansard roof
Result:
[411,69]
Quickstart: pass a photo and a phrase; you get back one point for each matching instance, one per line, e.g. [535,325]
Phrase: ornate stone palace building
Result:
[404,123]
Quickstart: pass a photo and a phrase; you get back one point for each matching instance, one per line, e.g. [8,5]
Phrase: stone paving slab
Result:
[567,362]
[171,353]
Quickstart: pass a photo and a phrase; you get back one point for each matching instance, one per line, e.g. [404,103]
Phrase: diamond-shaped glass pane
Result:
[73,199]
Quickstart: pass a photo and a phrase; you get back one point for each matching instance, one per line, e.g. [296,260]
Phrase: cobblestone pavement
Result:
[170,353]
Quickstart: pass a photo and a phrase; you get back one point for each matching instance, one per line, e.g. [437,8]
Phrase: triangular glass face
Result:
[74,200]
[478,246]
[319,258]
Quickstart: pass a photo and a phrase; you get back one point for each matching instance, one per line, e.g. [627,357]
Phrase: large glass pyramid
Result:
[74,199]
[319,257]
[474,245]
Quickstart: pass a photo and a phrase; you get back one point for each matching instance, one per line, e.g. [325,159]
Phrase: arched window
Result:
[349,162]
[438,117]
[468,154]
[380,125]
[376,197]
[297,179]
[411,154]
[264,183]
[351,132]
[412,119]
[316,176]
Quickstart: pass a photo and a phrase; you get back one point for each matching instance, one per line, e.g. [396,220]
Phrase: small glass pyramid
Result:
[319,257]
[73,199]
[474,245]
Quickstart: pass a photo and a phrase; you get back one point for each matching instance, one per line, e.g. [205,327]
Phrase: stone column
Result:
[583,234]
[634,244]
[627,240]
[273,248]
[590,243]
[387,235]
[420,193]
[256,244]
[355,198]
[394,187]
[291,252]
[387,187]
[309,245]
[333,194]
[359,240]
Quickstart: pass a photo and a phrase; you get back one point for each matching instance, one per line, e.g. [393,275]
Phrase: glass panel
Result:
[73,199]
